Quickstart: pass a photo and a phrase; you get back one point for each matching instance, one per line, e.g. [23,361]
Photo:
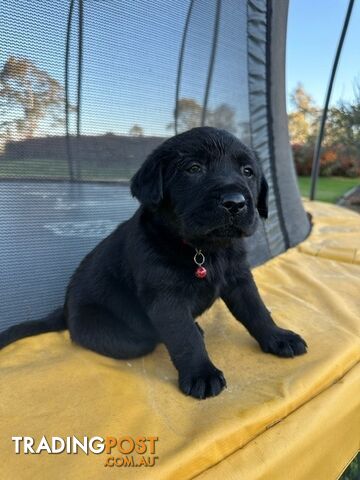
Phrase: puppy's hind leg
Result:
[98,329]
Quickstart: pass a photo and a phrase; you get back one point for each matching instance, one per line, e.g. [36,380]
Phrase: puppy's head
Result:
[208,184]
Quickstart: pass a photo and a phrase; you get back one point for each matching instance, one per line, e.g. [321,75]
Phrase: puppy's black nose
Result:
[233,202]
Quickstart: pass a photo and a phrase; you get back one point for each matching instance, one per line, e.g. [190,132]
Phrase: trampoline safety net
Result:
[89,88]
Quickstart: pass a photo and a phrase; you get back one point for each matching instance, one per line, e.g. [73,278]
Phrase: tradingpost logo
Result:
[123,451]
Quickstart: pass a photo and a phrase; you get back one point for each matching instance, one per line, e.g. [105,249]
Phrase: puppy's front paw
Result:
[204,382]
[283,343]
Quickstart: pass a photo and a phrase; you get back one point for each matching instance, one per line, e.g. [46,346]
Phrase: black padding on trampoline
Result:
[258,70]
[294,218]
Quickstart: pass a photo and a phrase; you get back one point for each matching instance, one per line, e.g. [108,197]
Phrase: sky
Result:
[314,28]
[131,52]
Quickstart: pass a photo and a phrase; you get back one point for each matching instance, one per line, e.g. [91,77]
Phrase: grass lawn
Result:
[33,168]
[42,168]
[329,189]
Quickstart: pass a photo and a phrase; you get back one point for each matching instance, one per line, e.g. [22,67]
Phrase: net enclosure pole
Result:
[180,65]
[211,62]
[66,82]
[80,68]
[316,159]
[73,175]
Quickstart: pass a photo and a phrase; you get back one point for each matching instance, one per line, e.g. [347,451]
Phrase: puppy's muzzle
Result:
[234,203]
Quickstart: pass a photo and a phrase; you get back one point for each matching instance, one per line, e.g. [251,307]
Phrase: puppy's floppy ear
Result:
[262,202]
[147,183]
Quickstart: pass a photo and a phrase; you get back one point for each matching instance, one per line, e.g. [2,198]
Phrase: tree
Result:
[343,124]
[304,117]
[340,153]
[189,114]
[136,131]
[222,116]
[31,93]
[342,135]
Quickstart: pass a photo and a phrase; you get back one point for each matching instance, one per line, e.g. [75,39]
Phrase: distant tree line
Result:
[341,147]
[32,101]
[30,97]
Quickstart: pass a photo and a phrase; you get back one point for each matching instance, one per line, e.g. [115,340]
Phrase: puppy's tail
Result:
[52,323]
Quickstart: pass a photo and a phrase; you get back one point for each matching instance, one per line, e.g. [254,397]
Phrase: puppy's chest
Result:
[201,298]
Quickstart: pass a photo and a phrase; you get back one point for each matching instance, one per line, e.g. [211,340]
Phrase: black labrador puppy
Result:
[201,192]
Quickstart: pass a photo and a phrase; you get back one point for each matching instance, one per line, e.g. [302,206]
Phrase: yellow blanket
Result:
[278,419]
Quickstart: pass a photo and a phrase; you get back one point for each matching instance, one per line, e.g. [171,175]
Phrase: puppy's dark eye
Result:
[194,168]
[248,171]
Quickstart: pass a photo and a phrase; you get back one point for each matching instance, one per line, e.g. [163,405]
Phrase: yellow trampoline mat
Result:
[278,419]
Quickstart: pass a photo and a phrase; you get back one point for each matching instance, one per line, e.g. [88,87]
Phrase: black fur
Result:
[138,286]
